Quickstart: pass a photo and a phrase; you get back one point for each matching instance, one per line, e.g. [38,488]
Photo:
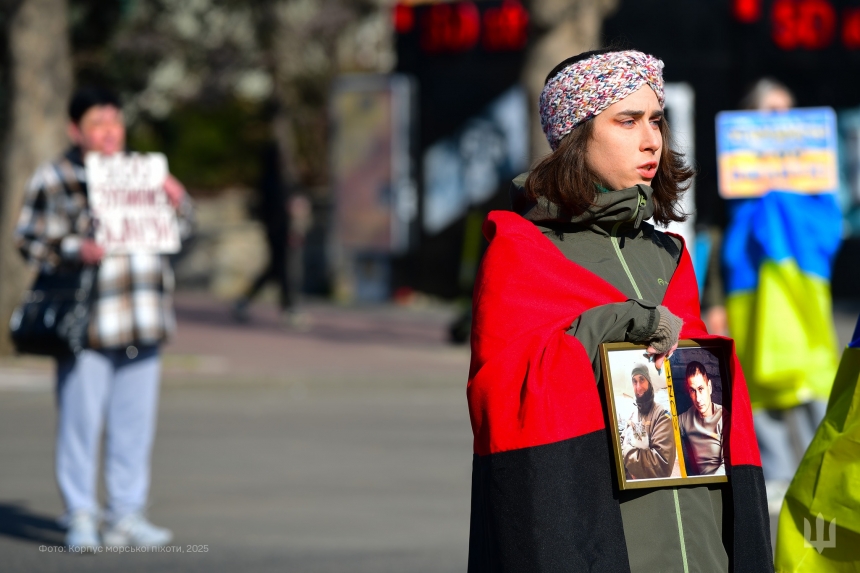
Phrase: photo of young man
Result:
[702,424]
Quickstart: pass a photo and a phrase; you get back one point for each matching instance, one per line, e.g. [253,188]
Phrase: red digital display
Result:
[404,19]
[784,17]
[747,11]
[809,24]
[804,24]
[505,27]
[816,24]
[851,28]
[450,27]
[456,27]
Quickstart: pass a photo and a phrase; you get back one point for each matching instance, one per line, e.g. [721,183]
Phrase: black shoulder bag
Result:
[54,315]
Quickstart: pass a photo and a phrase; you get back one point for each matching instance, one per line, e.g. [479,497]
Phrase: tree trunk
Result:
[39,82]
[571,27]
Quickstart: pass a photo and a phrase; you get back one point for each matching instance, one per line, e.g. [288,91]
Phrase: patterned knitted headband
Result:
[587,87]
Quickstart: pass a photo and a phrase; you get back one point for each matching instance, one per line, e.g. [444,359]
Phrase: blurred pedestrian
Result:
[578,266]
[113,384]
[778,253]
[286,219]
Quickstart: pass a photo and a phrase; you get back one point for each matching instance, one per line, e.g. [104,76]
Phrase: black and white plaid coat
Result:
[133,300]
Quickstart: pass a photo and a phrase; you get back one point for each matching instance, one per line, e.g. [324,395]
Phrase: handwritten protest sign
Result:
[127,197]
[791,151]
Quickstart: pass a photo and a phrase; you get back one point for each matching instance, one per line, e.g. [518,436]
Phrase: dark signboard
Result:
[466,59]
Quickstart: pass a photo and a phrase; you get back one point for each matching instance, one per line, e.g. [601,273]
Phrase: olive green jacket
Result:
[666,529]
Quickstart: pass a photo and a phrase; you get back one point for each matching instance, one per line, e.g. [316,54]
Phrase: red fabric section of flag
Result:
[529,382]
[682,298]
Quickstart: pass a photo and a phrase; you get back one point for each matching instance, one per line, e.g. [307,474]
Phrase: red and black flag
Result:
[544,492]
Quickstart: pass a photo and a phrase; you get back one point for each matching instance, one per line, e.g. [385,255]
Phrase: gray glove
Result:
[668,330]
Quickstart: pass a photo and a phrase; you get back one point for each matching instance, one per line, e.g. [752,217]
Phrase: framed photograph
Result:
[668,424]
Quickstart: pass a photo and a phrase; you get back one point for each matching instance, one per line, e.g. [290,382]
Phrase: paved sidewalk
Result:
[378,345]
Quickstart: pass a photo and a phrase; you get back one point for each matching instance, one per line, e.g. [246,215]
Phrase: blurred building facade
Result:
[476,91]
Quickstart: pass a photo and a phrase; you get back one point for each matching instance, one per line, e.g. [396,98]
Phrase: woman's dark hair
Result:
[91,96]
[563,176]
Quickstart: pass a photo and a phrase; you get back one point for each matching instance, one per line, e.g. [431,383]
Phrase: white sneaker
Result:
[136,530]
[82,535]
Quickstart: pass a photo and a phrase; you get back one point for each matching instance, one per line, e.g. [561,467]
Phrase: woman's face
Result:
[626,142]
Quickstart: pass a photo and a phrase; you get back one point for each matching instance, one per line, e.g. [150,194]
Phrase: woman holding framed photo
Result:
[575,267]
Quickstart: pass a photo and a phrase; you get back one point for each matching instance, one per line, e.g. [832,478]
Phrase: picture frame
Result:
[666,427]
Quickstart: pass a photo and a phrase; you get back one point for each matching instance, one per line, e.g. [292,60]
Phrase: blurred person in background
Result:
[114,382]
[778,253]
[767,95]
[286,218]
[575,266]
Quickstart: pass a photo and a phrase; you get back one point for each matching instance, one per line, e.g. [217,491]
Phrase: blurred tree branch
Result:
[299,40]
[283,54]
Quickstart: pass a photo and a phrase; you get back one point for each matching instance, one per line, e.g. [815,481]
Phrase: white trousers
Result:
[115,391]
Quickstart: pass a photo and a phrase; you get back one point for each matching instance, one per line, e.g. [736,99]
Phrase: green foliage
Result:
[209,147]
[194,76]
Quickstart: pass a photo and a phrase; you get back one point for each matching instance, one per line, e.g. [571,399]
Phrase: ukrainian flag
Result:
[778,253]
[819,525]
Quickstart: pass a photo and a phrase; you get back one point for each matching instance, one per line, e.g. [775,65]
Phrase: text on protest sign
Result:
[132,210]
[793,151]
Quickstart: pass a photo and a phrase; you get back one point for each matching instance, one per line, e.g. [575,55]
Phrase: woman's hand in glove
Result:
[659,357]
[664,341]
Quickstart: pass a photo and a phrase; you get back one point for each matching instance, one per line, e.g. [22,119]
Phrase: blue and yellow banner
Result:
[793,151]
[778,253]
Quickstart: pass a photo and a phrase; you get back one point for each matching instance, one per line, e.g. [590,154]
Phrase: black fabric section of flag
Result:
[745,509]
[549,508]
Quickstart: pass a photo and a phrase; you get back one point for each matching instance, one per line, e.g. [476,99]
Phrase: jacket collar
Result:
[75,156]
[632,205]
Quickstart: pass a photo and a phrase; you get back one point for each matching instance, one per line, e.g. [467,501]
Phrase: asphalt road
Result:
[343,448]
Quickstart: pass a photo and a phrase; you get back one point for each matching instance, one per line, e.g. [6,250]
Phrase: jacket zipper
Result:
[681,531]
[613,236]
